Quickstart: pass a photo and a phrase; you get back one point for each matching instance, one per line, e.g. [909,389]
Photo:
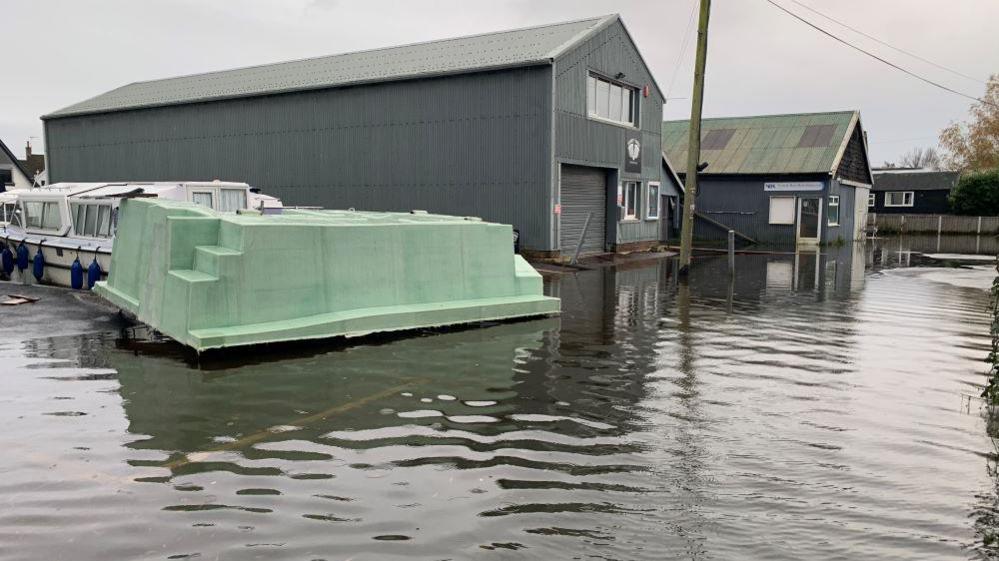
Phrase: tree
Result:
[976,194]
[974,145]
[920,158]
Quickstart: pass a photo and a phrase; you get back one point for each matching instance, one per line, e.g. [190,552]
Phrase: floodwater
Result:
[815,407]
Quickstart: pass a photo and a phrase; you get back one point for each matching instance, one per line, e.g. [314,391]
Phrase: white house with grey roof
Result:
[12,173]
[540,128]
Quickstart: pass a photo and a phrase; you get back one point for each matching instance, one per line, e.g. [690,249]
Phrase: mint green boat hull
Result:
[212,281]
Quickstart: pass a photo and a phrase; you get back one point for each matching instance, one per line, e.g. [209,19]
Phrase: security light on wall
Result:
[619,75]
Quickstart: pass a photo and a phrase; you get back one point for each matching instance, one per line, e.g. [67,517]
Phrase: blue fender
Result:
[93,273]
[7,259]
[22,256]
[38,265]
[76,274]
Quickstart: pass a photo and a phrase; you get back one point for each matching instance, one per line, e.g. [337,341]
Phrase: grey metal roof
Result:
[503,49]
[915,180]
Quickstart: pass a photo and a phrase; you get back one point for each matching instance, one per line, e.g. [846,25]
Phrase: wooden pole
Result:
[694,142]
[731,251]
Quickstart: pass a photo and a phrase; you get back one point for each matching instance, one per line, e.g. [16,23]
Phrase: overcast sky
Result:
[760,60]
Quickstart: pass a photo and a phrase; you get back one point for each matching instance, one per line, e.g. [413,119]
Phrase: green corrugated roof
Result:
[516,47]
[763,144]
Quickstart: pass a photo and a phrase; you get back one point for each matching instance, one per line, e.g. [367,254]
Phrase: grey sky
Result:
[760,60]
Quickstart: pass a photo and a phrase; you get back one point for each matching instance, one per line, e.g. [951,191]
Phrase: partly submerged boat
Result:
[211,280]
[74,225]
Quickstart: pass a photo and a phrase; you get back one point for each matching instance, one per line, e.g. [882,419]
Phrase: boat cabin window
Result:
[41,215]
[203,199]
[9,212]
[92,220]
[231,200]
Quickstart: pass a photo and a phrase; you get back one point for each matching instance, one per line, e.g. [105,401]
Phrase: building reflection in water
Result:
[908,250]
[651,411]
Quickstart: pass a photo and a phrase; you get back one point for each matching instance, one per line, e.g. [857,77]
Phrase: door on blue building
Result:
[809,219]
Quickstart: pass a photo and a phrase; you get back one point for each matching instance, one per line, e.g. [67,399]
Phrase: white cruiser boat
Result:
[66,222]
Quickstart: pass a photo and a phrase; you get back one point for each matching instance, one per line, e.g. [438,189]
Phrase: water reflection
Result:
[908,250]
[798,409]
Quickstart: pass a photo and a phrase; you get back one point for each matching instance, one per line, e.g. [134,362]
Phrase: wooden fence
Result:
[933,223]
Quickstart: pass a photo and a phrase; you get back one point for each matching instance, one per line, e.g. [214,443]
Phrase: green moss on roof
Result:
[763,144]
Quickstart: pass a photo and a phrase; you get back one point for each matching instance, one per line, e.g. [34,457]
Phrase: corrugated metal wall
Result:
[583,141]
[474,144]
[847,205]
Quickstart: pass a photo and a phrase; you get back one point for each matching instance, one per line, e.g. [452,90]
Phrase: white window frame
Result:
[832,201]
[628,197]
[634,119]
[652,204]
[770,211]
[910,195]
[872,200]
[80,229]
[43,205]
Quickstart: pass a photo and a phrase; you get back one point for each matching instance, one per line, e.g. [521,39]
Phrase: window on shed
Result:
[231,200]
[652,208]
[870,200]
[898,198]
[816,136]
[782,210]
[630,199]
[611,101]
[832,210]
[717,139]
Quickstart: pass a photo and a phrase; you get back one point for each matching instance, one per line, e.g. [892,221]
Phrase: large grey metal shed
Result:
[486,125]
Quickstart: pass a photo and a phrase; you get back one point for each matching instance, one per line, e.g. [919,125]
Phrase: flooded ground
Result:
[812,408]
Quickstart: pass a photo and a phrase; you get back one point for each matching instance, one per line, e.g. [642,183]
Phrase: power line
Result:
[876,57]
[873,38]
[683,49]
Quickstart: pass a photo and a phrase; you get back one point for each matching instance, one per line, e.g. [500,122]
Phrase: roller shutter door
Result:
[583,190]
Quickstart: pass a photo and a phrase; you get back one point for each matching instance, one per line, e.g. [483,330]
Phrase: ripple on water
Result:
[817,418]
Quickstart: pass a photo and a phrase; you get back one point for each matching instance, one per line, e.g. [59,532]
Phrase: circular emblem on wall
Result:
[634,149]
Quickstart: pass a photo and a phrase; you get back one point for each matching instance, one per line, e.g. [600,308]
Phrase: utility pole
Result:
[694,143]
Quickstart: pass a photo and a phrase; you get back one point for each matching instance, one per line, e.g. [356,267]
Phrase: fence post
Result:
[731,251]
[901,227]
[979,226]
